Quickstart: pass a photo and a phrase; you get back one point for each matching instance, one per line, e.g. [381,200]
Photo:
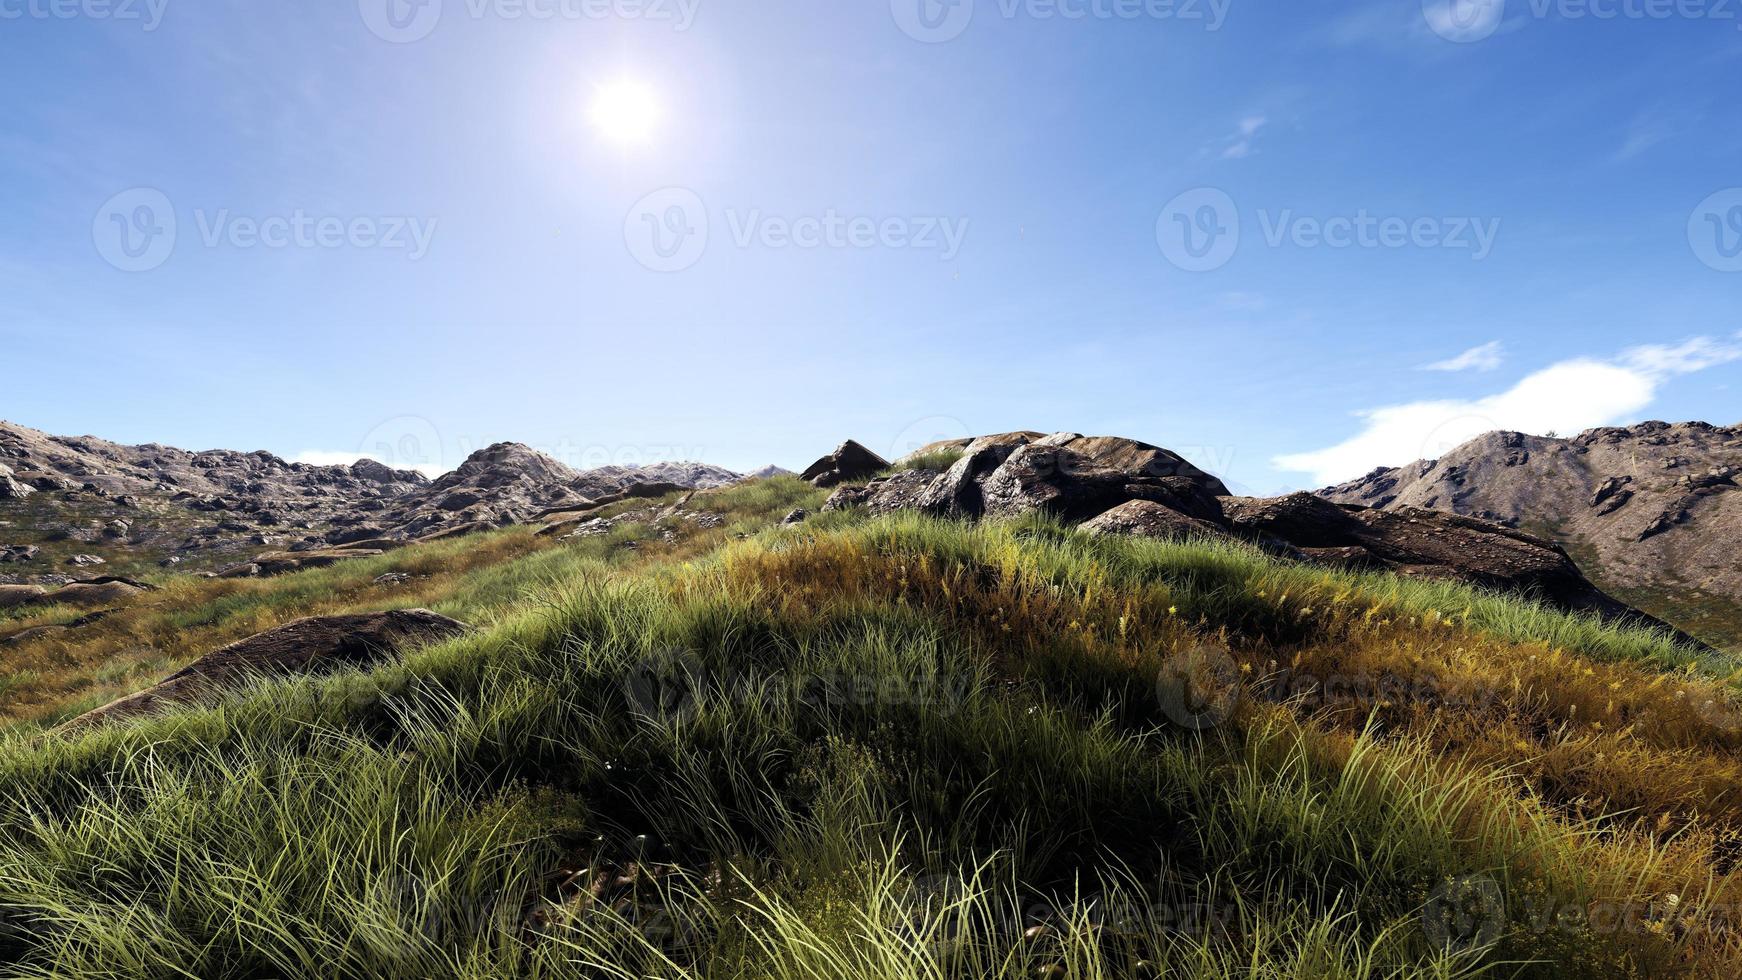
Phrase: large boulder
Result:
[849,463]
[95,595]
[1053,480]
[1304,520]
[898,491]
[13,596]
[307,646]
[1148,519]
[1428,544]
[1138,461]
[957,491]
[11,489]
[967,447]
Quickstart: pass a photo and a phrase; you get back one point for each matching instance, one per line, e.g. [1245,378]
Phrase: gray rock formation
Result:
[215,511]
[1652,512]
[849,462]
[1120,486]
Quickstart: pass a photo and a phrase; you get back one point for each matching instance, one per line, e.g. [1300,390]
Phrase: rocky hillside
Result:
[70,506]
[1652,511]
[1117,486]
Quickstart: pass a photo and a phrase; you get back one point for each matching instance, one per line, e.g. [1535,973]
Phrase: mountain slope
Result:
[1652,512]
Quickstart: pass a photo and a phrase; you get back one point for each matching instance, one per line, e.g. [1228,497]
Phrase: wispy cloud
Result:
[1487,357]
[1658,125]
[1240,145]
[1566,397]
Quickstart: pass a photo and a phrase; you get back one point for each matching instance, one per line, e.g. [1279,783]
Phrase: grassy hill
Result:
[879,748]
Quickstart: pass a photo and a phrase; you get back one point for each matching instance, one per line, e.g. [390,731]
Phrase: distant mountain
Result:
[1652,512]
[768,472]
[74,499]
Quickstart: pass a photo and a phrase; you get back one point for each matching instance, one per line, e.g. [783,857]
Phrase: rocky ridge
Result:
[1652,511]
[1112,485]
[242,514]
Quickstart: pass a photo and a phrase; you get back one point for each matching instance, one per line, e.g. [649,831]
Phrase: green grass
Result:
[941,460]
[893,748]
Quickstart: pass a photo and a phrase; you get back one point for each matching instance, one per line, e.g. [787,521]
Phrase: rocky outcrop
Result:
[1652,512]
[307,646]
[95,595]
[18,553]
[1013,473]
[14,596]
[1110,485]
[1434,544]
[850,462]
[1147,519]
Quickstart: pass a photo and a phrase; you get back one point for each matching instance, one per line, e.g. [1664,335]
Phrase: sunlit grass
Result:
[895,748]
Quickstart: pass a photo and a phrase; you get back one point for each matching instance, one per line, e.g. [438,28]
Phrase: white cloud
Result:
[1241,144]
[1566,397]
[1487,357]
[319,457]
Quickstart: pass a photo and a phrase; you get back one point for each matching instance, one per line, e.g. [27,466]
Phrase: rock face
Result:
[1147,519]
[1068,476]
[847,463]
[307,646]
[1653,512]
[1415,542]
[1121,486]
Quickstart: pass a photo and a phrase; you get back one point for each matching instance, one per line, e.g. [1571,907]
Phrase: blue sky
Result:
[330,228]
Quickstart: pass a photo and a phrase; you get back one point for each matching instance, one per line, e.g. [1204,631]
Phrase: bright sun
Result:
[625,112]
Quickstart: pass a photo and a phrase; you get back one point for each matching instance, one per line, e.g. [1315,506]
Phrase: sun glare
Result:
[625,112]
